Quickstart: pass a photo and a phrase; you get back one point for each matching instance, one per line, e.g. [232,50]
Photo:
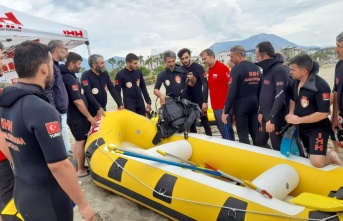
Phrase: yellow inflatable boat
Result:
[171,180]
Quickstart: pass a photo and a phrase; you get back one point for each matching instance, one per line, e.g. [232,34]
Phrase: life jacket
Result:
[176,116]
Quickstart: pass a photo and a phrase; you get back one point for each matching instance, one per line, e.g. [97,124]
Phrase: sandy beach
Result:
[111,207]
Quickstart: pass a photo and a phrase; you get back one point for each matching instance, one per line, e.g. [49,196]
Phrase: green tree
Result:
[82,69]
[141,59]
[145,71]
[112,61]
[148,62]
[112,74]
[121,64]
[159,69]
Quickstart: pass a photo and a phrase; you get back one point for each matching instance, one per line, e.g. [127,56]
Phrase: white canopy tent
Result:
[16,27]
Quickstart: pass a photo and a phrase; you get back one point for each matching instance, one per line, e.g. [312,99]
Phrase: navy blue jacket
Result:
[275,80]
[133,85]
[94,87]
[57,94]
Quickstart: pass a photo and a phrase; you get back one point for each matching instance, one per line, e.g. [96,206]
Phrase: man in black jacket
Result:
[243,96]
[44,176]
[199,93]
[95,82]
[173,78]
[310,110]
[131,80]
[57,93]
[338,86]
[272,103]
[78,117]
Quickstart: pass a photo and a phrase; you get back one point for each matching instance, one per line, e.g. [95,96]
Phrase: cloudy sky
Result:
[118,27]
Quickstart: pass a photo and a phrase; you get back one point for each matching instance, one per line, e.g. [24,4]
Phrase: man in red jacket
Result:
[218,84]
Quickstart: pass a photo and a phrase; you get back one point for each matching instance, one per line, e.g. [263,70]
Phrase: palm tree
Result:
[141,59]
[112,61]
[161,61]
[121,64]
[148,62]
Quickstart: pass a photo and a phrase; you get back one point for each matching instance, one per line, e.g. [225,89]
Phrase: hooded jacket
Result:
[313,96]
[274,86]
[33,133]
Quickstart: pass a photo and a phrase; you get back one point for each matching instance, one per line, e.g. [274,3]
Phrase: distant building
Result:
[223,57]
[290,52]
[312,51]
[251,55]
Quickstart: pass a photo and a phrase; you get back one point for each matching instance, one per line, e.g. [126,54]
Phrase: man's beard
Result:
[77,70]
[98,69]
[186,63]
[48,80]
[47,83]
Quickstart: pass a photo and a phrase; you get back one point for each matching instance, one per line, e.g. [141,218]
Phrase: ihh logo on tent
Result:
[10,22]
[73,33]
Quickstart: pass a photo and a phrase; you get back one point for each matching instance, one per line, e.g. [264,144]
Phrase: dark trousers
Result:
[135,105]
[6,187]
[205,123]
[263,136]
[246,123]
[226,134]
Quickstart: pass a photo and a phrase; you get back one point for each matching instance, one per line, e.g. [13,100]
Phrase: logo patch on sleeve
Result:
[84,82]
[326,96]
[53,127]
[75,87]
[116,82]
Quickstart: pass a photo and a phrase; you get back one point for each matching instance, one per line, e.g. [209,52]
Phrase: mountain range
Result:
[251,42]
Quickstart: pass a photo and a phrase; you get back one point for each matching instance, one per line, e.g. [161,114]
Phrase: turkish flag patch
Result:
[53,127]
[116,82]
[75,87]
[84,82]
[326,96]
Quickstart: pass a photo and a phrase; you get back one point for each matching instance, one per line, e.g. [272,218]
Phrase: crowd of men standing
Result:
[258,98]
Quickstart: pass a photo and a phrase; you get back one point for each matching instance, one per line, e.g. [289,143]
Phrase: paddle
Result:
[243,182]
[318,202]
[176,157]
[116,149]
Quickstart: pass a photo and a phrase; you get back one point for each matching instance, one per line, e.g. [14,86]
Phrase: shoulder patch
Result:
[53,127]
[116,81]
[75,87]
[326,96]
[84,82]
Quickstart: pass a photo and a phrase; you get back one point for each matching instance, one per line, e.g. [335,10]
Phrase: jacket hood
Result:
[64,69]
[12,94]
[311,80]
[268,63]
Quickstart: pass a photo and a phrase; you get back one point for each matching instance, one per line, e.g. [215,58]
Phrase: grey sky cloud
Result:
[119,27]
